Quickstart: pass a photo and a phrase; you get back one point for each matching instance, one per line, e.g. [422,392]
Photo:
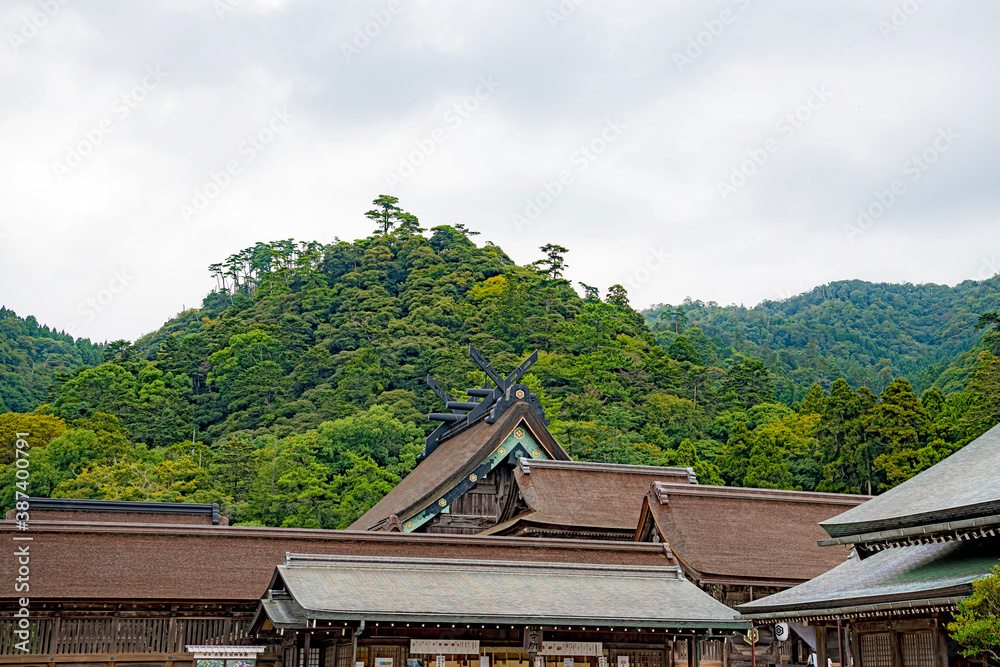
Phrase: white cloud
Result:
[655,186]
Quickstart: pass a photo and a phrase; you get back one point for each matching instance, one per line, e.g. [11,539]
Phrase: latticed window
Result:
[918,649]
[344,654]
[876,649]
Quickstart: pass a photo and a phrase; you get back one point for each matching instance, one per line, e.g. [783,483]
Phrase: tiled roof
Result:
[433,590]
[452,461]
[746,535]
[966,485]
[906,577]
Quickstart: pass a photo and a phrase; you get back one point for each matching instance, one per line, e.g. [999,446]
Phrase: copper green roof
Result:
[964,486]
[284,612]
[450,591]
[905,577]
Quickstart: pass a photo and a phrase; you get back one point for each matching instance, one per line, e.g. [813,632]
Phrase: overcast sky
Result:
[719,150]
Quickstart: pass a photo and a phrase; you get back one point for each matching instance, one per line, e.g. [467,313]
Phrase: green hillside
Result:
[33,356]
[864,332]
[295,395]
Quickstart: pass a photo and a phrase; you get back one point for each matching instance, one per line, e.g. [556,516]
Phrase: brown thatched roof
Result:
[574,496]
[116,561]
[739,535]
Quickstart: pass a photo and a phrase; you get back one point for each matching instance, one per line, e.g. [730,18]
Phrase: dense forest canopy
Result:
[32,357]
[866,333]
[295,394]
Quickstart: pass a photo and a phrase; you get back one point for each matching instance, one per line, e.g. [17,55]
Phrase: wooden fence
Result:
[53,636]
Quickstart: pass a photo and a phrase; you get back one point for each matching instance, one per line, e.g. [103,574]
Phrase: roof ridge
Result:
[663,489]
[321,534]
[293,560]
[592,466]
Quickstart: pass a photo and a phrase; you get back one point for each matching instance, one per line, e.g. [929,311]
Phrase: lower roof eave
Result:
[747,581]
[591,621]
[943,531]
[915,606]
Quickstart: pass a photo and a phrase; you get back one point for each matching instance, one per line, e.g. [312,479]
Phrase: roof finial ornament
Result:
[495,389]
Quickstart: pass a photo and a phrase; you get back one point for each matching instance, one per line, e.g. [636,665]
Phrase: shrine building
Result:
[917,548]
[496,548]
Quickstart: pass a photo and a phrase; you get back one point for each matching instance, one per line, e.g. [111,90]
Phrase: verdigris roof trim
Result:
[964,486]
[894,576]
[284,613]
[348,588]
[935,532]
[914,606]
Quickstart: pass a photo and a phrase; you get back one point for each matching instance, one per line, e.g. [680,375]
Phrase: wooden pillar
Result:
[897,651]
[941,646]
[305,650]
[692,646]
[821,653]
[855,643]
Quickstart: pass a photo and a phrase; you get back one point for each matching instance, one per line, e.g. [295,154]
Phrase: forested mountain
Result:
[864,332]
[295,394]
[32,356]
